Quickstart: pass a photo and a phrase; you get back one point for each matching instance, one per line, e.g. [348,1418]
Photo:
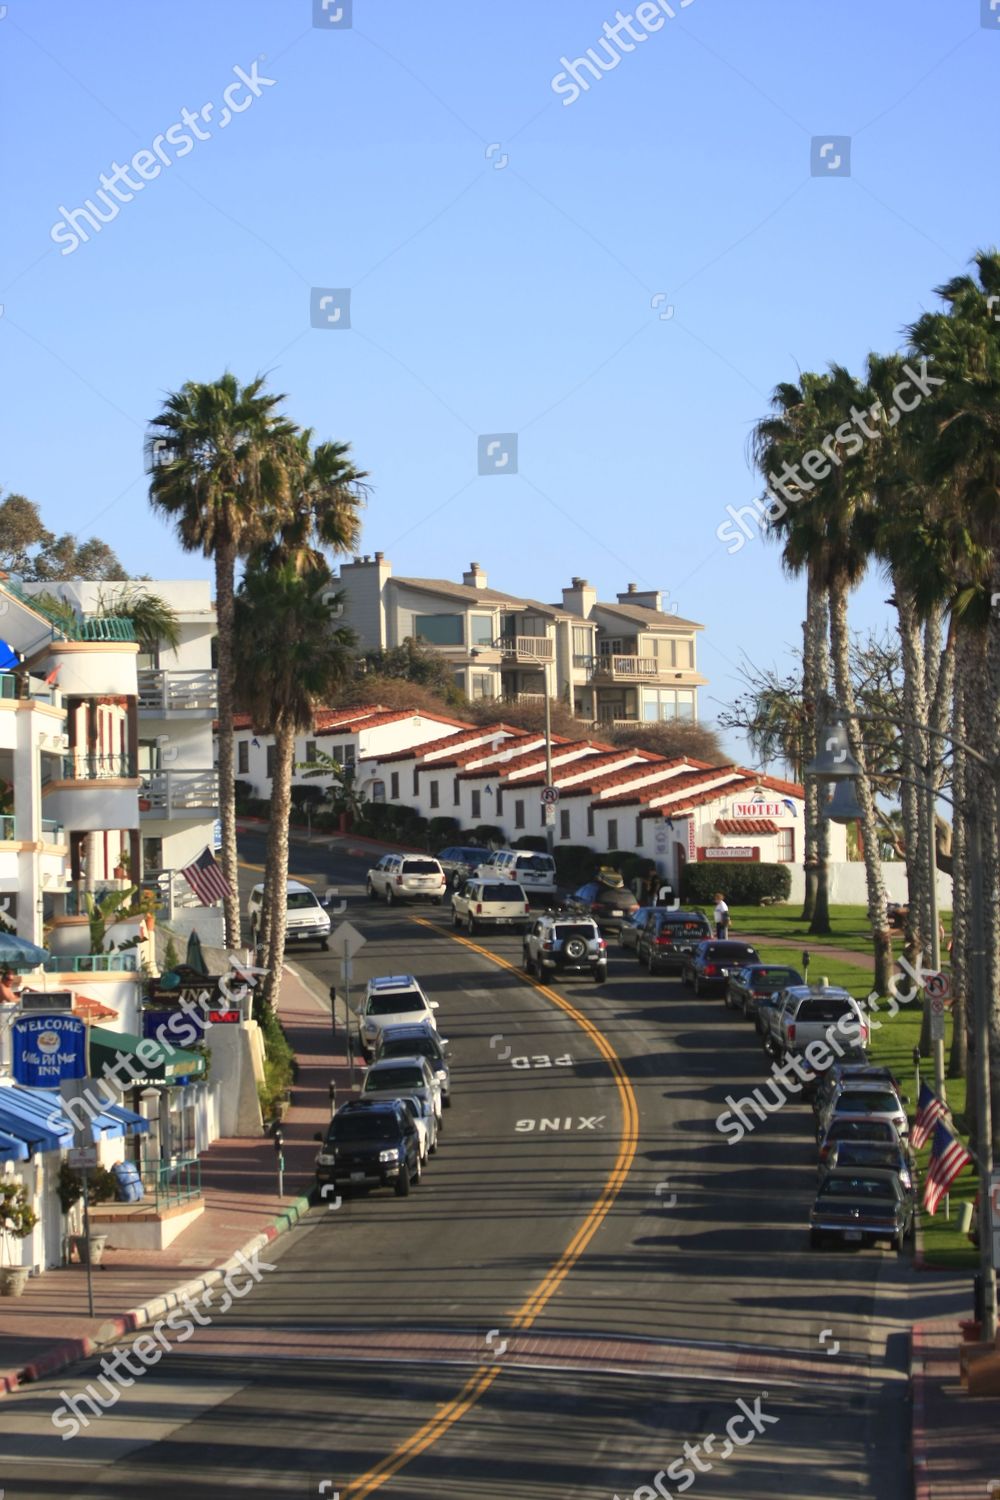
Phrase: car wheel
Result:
[446,1101]
[403,1182]
[539,970]
[527,963]
[454,918]
[371,891]
[473,928]
[727,998]
[389,897]
[697,988]
[600,974]
[896,1243]
[418,1174]
[435,900]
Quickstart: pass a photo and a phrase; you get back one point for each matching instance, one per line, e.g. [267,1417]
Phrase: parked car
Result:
[391,1000]
[422,1114]
[708,966]
[851,1054]
[746,988]
[810,1013]
[459,861]
[610,906]
[479,903]
[859,1071]
[534,871]
[395,1076]
[562,946]
[668,937]
[418,1039]
[370,1143]
[891,1157]
[861,1204]
[406,877]
[629,930]
[857,1128]
[875,1101]
[306,918]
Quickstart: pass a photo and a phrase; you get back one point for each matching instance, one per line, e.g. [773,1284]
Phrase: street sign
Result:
[548,818]
[347,940]
[550,795]
[937,1018]
[938,985]
[82,1158]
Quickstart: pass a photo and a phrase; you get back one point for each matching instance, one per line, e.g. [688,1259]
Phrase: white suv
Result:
[306,920]
[533,871]
[392,1000]
[490,903]
[406,877]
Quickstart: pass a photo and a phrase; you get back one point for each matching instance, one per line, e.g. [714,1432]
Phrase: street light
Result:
[836,763]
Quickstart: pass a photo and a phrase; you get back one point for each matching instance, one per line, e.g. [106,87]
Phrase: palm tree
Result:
[218,457]
[154,621]
[291,656]
[325,493]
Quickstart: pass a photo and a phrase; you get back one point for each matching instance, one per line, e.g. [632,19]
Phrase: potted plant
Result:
[101,1188]
[123,866]
[17,1220]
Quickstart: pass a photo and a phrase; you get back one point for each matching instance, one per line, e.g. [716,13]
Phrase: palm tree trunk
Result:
[277,858]
[914,746]
[989,812]
[810,833]
[840,651]
[225,569]
[958,1059]
[820,924]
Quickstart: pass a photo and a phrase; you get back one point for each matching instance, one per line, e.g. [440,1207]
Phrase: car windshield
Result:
[857,1187]
[496,893]
[420,867]
[773,979]
[537,862]
[362,1127]
[868,1101]
[405,1046]
[862,1130]
[730,951]
[394,1078]
[824,1010]
[298,899]
[858,1154]
[398,1002]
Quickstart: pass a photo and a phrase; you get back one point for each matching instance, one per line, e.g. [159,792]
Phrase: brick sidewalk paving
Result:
[956,1437]
[49,1326]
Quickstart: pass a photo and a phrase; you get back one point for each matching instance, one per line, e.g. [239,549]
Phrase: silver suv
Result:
[406,877]
[563,946]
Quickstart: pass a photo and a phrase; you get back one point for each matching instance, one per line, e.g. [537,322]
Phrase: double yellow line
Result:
[484,1376]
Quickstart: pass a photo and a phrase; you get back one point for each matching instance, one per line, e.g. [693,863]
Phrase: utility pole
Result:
[548,811]
[984,1112]
[937,1031]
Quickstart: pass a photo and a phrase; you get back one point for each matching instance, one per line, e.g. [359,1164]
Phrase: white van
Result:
[306,920]
[535,872]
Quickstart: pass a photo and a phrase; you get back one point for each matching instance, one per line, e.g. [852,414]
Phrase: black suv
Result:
[556,946]
[370,1143]
[609,905]
[668,936]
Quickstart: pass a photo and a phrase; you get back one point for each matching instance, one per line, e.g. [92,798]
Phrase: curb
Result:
[72,1351]
[918,1430]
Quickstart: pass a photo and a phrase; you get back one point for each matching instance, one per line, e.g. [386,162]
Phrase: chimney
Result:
[475,578]
[647,598]
[579,598]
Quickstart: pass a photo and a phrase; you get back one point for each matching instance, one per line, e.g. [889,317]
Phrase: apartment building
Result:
[624,662]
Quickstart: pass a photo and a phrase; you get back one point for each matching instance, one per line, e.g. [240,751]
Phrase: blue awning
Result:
[37,1118]
[12,1149]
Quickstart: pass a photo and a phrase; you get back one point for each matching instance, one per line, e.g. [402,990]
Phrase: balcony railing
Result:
[93,963]
[166,1183]
[178,794]
[524,648]
[177,692]
[51,831]
[536,699]
[8,685]
[625,668]
[79,766]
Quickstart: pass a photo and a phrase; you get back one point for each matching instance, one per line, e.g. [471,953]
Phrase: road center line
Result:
[479,1383]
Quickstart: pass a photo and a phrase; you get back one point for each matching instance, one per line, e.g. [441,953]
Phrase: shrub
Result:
[490,835]
[244,792]
[442,831]
[743,883]
[279,1066]
[575,863]
[535,841]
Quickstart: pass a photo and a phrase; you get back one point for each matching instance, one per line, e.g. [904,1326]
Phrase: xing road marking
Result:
[479,1383]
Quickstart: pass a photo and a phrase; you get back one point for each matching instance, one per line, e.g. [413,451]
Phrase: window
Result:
[439,630]
[612,833]
[242,757]
[786,846]
[416,781]
[394,785]
[590,822]
[272,751]
[435,800]
[519,813]
[583,642]
[378,791]
[350,755]
[482,685]
[667,703]
[152,855]
[684,655]
[564,822]
[480,630]
[638,832]
[499,808]
[456,792]
[310,754]
[477,804]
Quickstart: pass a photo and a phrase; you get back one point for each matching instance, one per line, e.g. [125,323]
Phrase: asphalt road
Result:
[589,1277]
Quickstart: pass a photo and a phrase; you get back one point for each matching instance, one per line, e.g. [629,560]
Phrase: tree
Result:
[291,655]
[154,621]
[219,457]
[30,551]
[676,739]
[343,795]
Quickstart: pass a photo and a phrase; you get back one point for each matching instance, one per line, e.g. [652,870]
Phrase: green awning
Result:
[157,1062]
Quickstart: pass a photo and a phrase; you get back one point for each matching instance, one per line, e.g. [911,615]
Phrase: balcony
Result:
[164,695]
[81,766]
[625,668]
[93,963]
[525,649]
[180,794]
[536,700]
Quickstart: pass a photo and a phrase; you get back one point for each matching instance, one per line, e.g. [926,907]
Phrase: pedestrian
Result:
[651,887]
[721,916]
[9,987]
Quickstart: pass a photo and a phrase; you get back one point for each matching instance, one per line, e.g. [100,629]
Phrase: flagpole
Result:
[984,1121]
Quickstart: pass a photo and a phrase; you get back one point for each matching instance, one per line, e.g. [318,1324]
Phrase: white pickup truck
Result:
[809,1013]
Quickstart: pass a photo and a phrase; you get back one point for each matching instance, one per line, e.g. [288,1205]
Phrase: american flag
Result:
[948,1158]
[206,879]
[929,1111]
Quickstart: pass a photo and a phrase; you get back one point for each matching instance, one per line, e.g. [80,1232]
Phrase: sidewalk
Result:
[956,1438]
[49,1327]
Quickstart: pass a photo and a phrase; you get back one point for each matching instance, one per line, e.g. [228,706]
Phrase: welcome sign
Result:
[49,1048]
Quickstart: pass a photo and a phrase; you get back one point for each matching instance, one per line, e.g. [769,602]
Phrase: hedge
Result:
[575,863]
[534,841]
[743,883]
[490,835]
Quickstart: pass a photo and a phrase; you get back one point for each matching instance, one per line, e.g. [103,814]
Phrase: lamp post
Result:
[836,763]
[548,811]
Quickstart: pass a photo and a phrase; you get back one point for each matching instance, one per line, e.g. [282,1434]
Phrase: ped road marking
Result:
[479,1383]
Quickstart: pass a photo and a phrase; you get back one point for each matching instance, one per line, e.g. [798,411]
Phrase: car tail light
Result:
[824,1152]
[711,969]
[791,1032]
[547,947]
[527,906]
[602,943]
[595,906]
[479,907]
[664,942]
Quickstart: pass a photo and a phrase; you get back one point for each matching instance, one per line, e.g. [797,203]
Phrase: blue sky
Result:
[503,250]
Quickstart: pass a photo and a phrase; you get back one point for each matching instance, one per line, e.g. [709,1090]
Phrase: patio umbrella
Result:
[194,958]
[18,953]
[8,656]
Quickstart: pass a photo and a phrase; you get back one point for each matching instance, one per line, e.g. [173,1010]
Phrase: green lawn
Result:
[850,927]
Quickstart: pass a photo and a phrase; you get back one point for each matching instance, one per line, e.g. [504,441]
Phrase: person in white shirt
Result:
[721,916]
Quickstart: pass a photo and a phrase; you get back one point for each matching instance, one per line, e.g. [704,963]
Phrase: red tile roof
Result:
[639,763]
[670,785]
[470,734]
[745,825]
